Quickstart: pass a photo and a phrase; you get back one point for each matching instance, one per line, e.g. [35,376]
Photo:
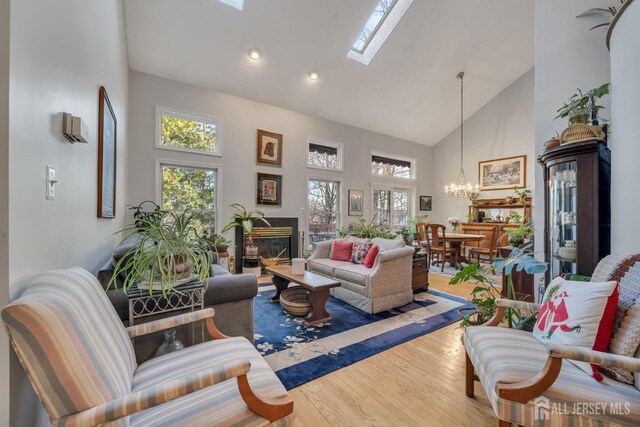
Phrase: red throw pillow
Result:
[371,256]
[341,251]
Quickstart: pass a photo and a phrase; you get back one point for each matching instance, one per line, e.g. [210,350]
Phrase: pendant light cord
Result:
[461,77]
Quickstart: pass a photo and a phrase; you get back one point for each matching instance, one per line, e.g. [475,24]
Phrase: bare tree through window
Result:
[323,209]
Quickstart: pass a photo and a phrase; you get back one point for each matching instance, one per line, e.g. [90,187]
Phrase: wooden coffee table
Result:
[318,287]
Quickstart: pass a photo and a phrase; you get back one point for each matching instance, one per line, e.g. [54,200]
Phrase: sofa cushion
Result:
[341,251]
[509,355]
[359,252]
[325,266]
[355,273]
[578,314]
[220,404]
[386,244]
[371,256]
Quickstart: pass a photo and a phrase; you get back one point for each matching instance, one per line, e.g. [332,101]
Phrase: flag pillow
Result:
[359,252]
[579,314]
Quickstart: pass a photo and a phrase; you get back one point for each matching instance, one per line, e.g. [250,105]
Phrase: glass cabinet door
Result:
[563,218]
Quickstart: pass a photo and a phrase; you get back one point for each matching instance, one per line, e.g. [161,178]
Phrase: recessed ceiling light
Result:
[254,53]
[313,75]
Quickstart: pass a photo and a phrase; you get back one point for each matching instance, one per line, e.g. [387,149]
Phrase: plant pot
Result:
[222,248]
[582,116]
[509,199]
[178,264]
[523,199]
[552,143]
[251,265]
[251,251]
[515,241]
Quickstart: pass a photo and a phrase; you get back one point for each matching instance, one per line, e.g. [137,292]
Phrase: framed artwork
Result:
[107,126]
[356,203]
[425,203]
[269,148]
[503,174]
[269,190]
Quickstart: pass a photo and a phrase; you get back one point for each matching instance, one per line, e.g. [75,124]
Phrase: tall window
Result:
[323,209]
[392,207]
[392,167]
[325,154]
[183,132]
[194,188]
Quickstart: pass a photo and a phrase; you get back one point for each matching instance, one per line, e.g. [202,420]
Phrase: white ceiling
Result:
[408,91]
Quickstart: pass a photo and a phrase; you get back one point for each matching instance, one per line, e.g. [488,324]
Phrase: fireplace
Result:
[282,235]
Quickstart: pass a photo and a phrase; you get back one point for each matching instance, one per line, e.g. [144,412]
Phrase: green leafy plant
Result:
[406,234]
[167,249]
[518,235]
[485,293]
[521,193]
[366,230]
[515,217]
[580,101]
[245,220]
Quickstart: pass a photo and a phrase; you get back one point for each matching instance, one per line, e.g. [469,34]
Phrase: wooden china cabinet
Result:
[577,207]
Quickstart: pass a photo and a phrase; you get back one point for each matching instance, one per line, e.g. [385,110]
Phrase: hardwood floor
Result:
[418,383]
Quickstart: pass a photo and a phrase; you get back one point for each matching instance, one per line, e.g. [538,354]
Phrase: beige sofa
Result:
[385,286]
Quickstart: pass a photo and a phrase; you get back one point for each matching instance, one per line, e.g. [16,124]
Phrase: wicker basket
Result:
[295,301]
[580,133]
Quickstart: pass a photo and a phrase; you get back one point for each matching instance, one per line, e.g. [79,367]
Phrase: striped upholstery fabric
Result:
[71,342]
[219,405]
[507,355]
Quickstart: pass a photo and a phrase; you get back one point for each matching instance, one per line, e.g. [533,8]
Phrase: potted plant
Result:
[552,142]
[167,251]
[406,234]
[473,196]
[217,242]
[517,235]
[366,230]
[583,107]
[471,217]
[485,293]
[246,220]
[521,193]
[413,224]
[515,217]
[455,222]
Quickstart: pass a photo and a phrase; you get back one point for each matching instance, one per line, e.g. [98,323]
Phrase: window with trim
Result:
[393,167]
[193,188]
[183,132]
[392,208]
[324,154]
[323,209]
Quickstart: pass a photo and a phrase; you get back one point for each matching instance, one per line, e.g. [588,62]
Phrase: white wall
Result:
[568,56]
[625,150]
[502,128]
[61,52]
[241,117]
[4,203]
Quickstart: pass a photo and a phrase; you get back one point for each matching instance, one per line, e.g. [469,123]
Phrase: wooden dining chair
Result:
[438,246]
[423,237]
[490,251]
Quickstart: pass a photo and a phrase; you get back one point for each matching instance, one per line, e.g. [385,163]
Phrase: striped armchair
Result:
[532,384]
[81,363]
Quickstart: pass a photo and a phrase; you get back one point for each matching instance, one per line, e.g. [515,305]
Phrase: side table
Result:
[420,272]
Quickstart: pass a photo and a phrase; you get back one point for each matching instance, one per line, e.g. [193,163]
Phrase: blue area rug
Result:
[299,354]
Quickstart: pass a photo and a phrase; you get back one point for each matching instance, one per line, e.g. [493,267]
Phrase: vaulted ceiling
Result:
[409,90]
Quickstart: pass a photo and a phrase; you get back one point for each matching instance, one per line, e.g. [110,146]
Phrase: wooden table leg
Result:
[281,284]
[319,313]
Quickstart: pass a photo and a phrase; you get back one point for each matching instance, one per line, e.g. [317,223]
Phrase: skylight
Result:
[238,4]
[381,23]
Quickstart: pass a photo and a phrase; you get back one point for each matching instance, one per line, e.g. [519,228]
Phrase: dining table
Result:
[457,240]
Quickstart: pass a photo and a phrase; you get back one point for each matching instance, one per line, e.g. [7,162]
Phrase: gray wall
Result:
[625,150]
[4,204]
[502,128]
[241,118]
[568,56]
[60,53]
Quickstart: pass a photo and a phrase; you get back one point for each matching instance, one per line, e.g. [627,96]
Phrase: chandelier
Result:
[462,189]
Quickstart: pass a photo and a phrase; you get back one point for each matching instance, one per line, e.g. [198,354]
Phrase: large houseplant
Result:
[582,107]
[518,235]
[366,230]
[485,293]
[246,220]
[166,251]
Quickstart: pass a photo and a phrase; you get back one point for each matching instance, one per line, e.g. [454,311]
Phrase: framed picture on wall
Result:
[503,174]
[356,203]
[107,127]
[269,148]
[425,203]
[269,190]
